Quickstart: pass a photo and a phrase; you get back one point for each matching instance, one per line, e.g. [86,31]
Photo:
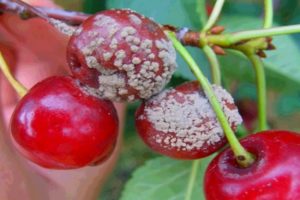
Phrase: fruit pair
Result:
[163,122]
[65,122]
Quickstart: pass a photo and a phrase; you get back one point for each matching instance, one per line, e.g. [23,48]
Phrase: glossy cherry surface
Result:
[275,175]
[121,55]
[180,122]
[57,125]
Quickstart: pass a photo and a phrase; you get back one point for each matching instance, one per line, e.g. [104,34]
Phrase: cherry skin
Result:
[274,175]
[121,55]
[57,125]
[180,122]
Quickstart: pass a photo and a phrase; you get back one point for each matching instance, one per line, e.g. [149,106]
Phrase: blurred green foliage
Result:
[93,6]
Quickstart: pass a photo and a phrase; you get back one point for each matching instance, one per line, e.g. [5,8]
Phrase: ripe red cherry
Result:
[180,122]
[274,175]
[121,55]
[57,125]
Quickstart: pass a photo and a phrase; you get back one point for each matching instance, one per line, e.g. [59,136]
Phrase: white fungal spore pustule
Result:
[62,27]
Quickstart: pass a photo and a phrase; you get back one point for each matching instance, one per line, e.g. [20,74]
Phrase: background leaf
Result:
[245,8]
[286,10]
[164,178]
[93,6]
[288,104]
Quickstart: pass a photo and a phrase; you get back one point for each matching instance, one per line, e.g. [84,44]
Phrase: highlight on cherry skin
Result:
[121,55]
[180,122]
[274,175]
[58,125]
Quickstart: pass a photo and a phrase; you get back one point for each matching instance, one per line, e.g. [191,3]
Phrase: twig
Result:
[26,11]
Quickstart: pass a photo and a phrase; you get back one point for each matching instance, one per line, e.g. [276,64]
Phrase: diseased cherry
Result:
[59,126]
[274,175]
[181,123]
[121,55]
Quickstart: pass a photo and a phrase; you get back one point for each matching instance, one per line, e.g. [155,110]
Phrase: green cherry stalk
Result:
[215,74]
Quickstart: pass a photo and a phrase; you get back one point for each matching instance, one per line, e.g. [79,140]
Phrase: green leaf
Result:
[166,179]
[243,8]
[182,13]
[282,65]
[286,10]
[93,6]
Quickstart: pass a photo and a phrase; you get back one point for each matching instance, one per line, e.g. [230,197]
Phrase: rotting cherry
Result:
[274,175]
[121,55]
[181,123]
[57,125]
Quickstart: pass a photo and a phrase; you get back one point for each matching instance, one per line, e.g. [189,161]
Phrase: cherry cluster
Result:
[116,56]
[67,122]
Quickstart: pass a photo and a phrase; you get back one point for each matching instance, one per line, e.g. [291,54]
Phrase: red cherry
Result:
[121,55]
[57,125]
[274,175]
[180,122]
[248,111]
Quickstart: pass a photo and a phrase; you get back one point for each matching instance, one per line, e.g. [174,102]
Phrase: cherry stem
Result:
[214,15]
[192,180]
[214,64]
[244,158]
[201,11]
[268,18]
[215,73]
[230,39]
[261,90]
[19,88]
[260,72]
